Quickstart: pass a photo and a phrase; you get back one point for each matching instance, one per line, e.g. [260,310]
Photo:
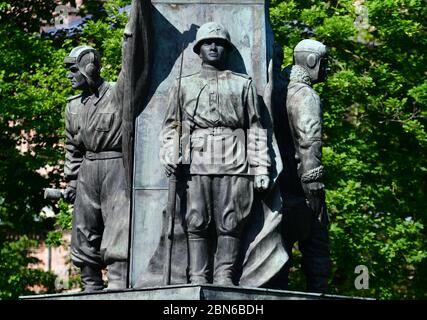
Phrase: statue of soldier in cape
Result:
[98,145]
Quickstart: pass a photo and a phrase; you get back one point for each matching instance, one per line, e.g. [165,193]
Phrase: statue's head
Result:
[213,44]
[84,64]
[312,55]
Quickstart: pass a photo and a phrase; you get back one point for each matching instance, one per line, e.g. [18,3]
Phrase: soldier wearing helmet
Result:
[305,217]
[99,124]
[95,173]
[214,103]
[86,61]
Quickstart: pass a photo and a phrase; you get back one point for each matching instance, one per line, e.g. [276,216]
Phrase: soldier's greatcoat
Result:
[304,112]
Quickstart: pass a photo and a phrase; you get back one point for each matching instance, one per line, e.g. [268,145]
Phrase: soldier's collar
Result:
[299,74]
[208,71]
[101,91]
[85,96]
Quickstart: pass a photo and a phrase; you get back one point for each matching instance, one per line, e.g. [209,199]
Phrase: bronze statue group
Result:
[206,109]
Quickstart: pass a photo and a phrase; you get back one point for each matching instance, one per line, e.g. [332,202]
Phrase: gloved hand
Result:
[315,194]
[261,182]
[70,193]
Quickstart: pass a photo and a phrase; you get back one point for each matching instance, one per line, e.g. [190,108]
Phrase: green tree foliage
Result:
[16,277]
[26,15]
[31,102]
[375,139]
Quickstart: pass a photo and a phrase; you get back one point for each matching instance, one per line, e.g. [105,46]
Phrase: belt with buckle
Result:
[103,155]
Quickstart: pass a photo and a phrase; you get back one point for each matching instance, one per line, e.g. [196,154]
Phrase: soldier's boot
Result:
[198,251]
[225,260]
[91,278]
[117,275]
[316,270]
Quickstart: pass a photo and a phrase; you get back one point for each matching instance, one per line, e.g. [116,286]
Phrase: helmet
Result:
[90,66]
[211,30]
[311,50]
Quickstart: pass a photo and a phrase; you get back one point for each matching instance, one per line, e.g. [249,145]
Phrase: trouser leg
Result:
[115,206]
[316,262]
[197,219]
[232,196]
[296,226]
[91,278]
[88,228]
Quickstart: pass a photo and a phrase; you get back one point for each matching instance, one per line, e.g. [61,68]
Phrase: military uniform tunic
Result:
[94,165]
[217,109]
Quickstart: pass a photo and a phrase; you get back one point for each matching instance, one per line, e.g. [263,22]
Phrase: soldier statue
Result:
[305,217]
[212,105]
[96,161]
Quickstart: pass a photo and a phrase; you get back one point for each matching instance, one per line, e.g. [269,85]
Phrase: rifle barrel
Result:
[171,212]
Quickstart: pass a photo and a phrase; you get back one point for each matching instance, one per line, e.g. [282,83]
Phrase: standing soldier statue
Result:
[211,106]
[305,217]
[99,131]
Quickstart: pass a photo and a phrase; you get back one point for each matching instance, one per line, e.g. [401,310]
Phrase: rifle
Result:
[171,205]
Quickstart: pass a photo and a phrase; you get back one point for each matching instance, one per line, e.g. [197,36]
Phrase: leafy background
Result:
[374,141]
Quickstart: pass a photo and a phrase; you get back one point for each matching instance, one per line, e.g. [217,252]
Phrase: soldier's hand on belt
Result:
[70,194]
[315,194]
[261,182]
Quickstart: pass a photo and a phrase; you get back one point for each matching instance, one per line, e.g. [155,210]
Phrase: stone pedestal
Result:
[192,292]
